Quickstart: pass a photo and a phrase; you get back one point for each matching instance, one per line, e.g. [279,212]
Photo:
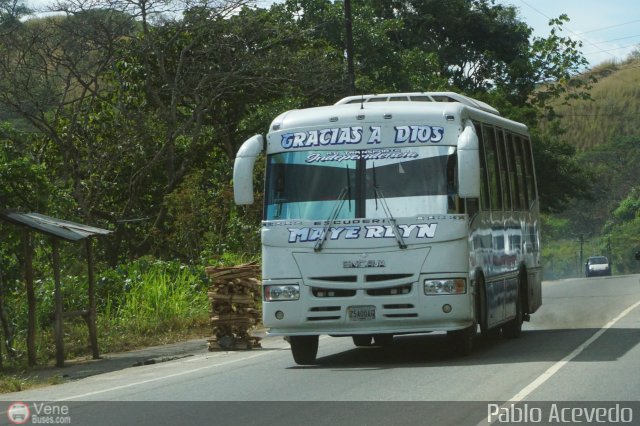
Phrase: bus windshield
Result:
[307,185]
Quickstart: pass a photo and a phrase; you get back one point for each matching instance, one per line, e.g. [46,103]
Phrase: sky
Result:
[609,29]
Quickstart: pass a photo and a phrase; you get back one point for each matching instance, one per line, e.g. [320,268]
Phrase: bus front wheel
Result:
[304,349]
[361,340]
[383,339]
[461,341]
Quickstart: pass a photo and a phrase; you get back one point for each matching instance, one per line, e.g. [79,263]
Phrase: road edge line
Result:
[526,391]
[549,372]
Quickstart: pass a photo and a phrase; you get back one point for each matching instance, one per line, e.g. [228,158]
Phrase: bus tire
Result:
[461,341]
[481,305]
[361,340]
[304,349]
[383,339]
[513,328]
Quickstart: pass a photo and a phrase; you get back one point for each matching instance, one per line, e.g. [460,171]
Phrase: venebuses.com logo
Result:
[18,413]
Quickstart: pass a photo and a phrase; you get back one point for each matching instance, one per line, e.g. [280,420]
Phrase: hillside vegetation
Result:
[614,110]
[605,132]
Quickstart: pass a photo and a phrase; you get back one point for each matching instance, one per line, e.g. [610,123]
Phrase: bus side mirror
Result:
[468,163]
[243,169]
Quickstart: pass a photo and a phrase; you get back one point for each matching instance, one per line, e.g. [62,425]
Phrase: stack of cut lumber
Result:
[234,294]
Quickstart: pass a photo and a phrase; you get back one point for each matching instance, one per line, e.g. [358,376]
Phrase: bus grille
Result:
[326,318]
[399,314]
[386,277]
[390,291]
[328,311]
[338,279]
[331,292]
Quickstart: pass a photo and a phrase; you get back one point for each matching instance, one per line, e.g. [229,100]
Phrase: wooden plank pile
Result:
[234,294]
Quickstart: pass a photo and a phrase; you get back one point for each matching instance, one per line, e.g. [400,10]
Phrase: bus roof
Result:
[420,97]
[353,110]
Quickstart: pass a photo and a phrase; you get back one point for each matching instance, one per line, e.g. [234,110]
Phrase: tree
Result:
[10,13]
[615,175]
[554,67]
[199,76]
[561,176]
[142,104]
[25,186]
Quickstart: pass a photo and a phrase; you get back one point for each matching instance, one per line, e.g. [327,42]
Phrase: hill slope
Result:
[614,111]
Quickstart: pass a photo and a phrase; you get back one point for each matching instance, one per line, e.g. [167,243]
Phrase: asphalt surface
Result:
[77,369]
[582,347]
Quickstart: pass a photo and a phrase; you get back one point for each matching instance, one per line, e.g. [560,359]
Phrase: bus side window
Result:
[471,207]
[454,204]
[493,169]
[528,166]
[520,173]
[513,177]
[504,171]
[484,184]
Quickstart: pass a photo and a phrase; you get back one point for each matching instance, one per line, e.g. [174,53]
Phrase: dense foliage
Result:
[138,113]
[609,220]
[127,114]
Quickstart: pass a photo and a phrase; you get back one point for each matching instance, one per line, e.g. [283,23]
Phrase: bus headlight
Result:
[282,292]
[445,286]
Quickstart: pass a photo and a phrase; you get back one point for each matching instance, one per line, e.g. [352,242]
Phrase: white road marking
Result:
[181,373]
[527,390]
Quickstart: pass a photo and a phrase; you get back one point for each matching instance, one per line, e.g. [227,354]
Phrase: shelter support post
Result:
[91,318]
[58,328]
[4,338]
[67,231]
[31,297]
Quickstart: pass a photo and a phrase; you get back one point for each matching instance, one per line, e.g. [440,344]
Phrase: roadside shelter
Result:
[58,230]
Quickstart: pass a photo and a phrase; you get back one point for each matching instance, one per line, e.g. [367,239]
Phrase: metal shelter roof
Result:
[66,230]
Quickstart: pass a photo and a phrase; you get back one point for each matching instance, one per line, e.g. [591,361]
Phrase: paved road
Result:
[582,345]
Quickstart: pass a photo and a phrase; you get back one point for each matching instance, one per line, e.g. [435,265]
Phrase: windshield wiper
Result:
[377,192]
[349,188]
[332,217]
[345,194]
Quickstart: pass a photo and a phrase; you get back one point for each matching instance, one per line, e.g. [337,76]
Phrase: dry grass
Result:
[614,111]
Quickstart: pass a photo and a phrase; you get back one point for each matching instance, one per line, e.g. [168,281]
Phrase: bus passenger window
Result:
[513,176]
[471,207]
[484,181]
[453,200]
[520,175]
[504,171]
[528,163]
[493,169]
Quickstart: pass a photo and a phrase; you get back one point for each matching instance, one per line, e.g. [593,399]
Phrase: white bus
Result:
[394,214]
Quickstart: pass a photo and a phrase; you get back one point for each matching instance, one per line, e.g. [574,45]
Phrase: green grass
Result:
[15,382]
[144,303]
[161,301]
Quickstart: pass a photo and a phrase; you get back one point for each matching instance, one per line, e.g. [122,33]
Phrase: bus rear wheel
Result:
[304,349]
[481,305]
[513,328]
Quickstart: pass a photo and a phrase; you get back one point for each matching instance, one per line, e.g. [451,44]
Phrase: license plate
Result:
[362,313]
